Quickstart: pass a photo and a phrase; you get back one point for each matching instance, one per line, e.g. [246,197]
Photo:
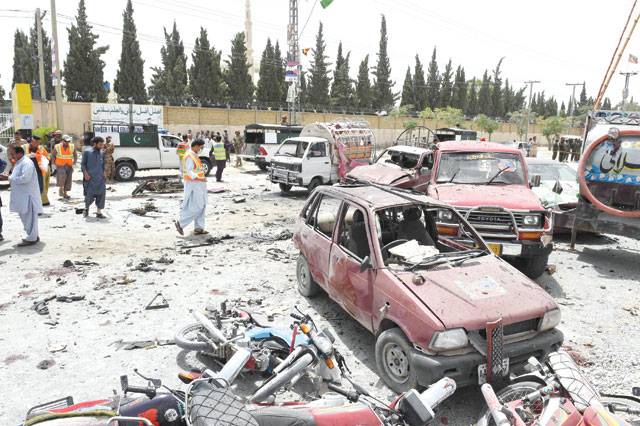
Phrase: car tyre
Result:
[315,182]
[206,166]
[534,267]
[125,171]
[285,187]
[306,284]
[393,360]
[262,167]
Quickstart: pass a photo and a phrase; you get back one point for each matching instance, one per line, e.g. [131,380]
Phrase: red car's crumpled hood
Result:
[479,291]
[517,197]
[377,173]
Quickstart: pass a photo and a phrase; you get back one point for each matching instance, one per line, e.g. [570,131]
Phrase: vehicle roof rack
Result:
[629,118]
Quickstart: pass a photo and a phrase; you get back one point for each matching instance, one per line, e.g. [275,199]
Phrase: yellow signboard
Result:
[22,106]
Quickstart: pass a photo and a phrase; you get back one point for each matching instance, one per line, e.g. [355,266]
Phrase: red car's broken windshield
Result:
[480,168]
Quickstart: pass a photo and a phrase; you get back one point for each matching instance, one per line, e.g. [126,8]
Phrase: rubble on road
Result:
[160,186]
[144,209]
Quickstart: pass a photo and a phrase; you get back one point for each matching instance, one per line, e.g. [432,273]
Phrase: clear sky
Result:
[554,41]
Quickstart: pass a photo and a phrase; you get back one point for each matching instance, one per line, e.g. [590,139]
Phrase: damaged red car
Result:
[439,302]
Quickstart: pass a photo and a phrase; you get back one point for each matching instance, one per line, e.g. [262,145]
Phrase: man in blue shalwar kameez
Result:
[95,188]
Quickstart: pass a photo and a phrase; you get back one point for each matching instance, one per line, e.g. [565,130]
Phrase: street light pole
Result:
[625,91]
[573,99]
[43,87]
[530,83]
[56,71]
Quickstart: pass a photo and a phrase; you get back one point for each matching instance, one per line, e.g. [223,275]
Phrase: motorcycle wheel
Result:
[509,393]
[187,338]
[620,401]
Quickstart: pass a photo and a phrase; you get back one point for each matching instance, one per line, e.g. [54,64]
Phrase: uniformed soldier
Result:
[109,165]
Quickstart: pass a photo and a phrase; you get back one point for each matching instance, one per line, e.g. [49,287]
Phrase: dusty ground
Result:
[596,286]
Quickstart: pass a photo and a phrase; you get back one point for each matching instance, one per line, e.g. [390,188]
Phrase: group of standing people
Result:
[29,171]
[565,149]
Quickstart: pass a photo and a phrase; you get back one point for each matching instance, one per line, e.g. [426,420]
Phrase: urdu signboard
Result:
[121,113]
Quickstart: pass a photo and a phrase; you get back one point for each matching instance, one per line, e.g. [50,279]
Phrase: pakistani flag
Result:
[325,3]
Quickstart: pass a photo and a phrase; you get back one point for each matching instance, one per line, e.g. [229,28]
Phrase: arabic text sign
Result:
[615,163]
[142,114]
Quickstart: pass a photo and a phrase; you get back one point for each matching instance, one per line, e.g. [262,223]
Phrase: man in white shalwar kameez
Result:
[194,202]
[25,195]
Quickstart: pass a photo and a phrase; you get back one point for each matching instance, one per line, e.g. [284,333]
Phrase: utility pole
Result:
[625,91]
[293,56]
[43,88]
[572,106]
[56,67]
[530,83]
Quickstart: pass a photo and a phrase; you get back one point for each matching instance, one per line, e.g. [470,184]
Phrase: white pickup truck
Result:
[145,150]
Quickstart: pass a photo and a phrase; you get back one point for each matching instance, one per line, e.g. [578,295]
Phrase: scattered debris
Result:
[145,266]
[70,264]
[551,269]
[271,232]
[69,299]
[57,347]
[13,358]
[157,304]
[45,364]
[238,200]
[633,310]
[165,260]
[124,280]
[209,242]
[216,190]
[278,254]
[141,344]
[42,307]
[160,186]
[146,208]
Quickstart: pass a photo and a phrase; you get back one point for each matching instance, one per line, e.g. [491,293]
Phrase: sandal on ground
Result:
[200,232]
[179,228]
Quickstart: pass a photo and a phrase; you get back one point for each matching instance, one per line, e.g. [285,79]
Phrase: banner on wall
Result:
[142,114]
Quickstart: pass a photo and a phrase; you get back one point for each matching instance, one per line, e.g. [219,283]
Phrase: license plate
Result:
[482,371]
[495,248]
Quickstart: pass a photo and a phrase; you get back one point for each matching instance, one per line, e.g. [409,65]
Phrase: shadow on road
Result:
[551,285]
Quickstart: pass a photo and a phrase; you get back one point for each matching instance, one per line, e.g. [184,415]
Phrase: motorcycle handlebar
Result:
[145,391]
[297,316]
[350,395]
[438,392]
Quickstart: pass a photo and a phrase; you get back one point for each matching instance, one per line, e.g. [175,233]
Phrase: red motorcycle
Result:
[556,393]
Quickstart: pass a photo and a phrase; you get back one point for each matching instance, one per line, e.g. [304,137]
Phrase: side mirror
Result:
[534,181]
[425,170]
[365,264]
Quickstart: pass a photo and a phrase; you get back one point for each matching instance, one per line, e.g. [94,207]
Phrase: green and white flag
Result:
[325,3]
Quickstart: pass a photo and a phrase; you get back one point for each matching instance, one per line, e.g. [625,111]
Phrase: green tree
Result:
[319,80]
[450,116]
[419,86]
[129,82]
[239,84]
[83,68]
[47,55]
[268,88]
[606,104]
[459,95]
[484,95]
[583,96]
[205,74]
[497,105]
[446,85]
[169,83]
[342,88]
[519,118]
[383,96]
[486,124]
[472,100]
[2,93]
[553,126]
[22,60]
[408,95]
[302,94]
[433,82]
[563,110]
[362,96]
[427,114]
[280,71]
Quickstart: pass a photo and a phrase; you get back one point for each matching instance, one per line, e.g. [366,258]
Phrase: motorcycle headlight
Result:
[550,320]
[531,220]
[449,339]
[445,215]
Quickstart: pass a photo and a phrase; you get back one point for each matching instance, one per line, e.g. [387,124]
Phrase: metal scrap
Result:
[144,209]
[154,304]
[208,242]
[160,186]
[141,344]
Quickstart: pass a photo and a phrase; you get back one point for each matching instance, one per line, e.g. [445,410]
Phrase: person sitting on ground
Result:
[412,227]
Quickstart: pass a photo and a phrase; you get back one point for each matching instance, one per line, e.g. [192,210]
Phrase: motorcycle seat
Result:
[213,406]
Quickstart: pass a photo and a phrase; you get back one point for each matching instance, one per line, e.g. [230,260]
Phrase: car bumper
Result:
[287,177]
[523,249]
[464,368]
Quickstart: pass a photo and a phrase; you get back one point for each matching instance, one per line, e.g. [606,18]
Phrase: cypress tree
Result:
[446,86]
[408,93]
[519,100]
[47,57]
[459,96]
[606,104]
[472,100]
[318,86]
[268,89]
[583,96]
[342,89]
[433,82]
[169,83]
[419,86]
[129,82]
[302,95]
[2,93]
[497,105]
[383,96]
[240,87]
[205,75]
[563,110]
[22,60]
[484,95]
[280,71]
[507,98]
[83,68]
[363,86]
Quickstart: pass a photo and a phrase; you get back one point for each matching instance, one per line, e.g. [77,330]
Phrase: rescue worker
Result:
[25,195]
[194,202]
[41,159]
[109,164]
[556,146]
[220,155]
[181,150]
[64,157]
[238,147]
